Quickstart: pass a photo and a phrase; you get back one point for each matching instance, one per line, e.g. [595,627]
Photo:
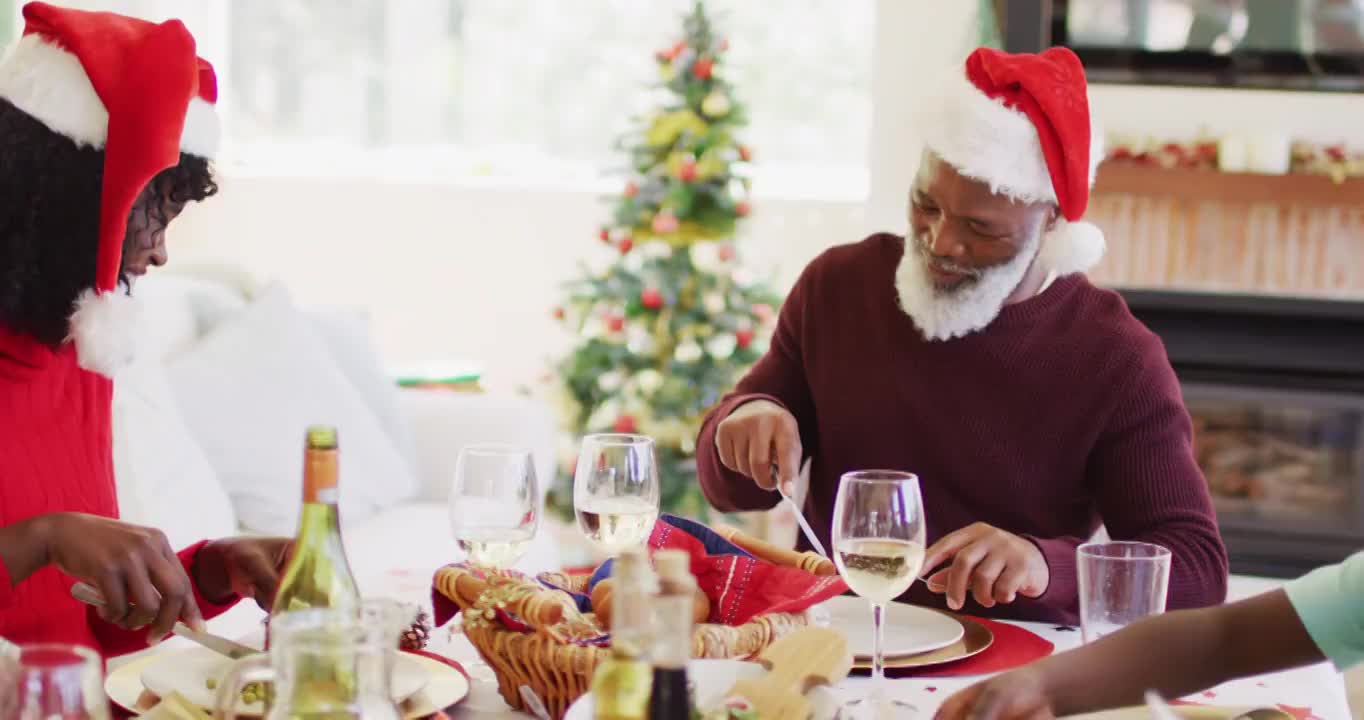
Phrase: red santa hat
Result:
[135,90]
[1021,123]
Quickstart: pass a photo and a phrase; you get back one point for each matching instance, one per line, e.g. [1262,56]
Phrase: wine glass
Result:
[878,539]
[494,504]
[52,681]
[615,490]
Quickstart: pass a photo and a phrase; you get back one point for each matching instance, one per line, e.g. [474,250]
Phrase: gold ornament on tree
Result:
[716,104]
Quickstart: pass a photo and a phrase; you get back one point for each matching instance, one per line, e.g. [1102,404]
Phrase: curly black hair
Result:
[49,219]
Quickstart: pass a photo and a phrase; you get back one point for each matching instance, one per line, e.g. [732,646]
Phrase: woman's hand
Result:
[133,567]
[245,567]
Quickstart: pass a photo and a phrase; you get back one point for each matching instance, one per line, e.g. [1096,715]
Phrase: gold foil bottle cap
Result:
[630,564]
[321,437]
[673,564]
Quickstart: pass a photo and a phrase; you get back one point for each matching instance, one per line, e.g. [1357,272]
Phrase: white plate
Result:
[187,672]
[909,630]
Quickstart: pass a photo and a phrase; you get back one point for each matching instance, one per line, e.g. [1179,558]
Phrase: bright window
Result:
[523,90]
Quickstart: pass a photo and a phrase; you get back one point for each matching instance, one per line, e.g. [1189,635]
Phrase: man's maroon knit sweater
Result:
[1062,414]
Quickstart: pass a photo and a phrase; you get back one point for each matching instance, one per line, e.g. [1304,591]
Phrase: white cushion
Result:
[443,422]
[249,390]
[177,310]
[164,480]
[347,335]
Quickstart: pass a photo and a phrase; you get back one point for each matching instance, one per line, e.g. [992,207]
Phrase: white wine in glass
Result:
[880,570]
[494,547]
[616,491]
[878,538]
[494,504]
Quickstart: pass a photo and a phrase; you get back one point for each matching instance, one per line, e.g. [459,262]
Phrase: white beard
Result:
[946,314]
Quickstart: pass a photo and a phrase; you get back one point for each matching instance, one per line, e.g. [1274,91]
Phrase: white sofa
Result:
[394,553]
[208,429]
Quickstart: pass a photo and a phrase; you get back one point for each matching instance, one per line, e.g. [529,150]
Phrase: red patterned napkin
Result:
[739,585]
[1013,647]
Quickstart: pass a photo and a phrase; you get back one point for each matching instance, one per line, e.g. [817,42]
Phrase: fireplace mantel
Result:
[1293,189]
[1206,231]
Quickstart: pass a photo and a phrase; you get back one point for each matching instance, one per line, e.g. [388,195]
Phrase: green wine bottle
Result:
[318,574]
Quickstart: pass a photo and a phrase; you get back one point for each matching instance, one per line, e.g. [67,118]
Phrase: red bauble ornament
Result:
[745,153]
[615,323]
[558,313]
[626,244]
[743,338]
[703,68]
[726,253]
[671,53]
[630,190]
[625,424]
[686,172]
[605,235]
[651,298]
[743,208]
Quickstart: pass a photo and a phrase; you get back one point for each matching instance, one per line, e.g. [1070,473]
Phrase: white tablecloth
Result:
[1317,690]
[407,576]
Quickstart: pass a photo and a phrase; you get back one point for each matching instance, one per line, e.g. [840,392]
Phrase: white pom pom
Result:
[1072,247]
[103,328]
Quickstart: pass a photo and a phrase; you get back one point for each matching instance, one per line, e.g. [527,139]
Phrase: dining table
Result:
[1315,692]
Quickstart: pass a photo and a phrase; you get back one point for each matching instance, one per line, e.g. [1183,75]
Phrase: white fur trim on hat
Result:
[104,329]
[1071,247]
[202,129]
[985,140]
[50,84]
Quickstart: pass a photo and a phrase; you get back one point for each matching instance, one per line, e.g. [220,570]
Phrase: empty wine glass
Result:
[52,681]
[878,538]
[494,504]
[615,490]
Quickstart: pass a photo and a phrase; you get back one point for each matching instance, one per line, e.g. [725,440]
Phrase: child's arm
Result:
[1175,654]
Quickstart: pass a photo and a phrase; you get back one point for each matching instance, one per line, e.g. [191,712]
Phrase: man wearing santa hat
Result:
[106,127]
[975,353]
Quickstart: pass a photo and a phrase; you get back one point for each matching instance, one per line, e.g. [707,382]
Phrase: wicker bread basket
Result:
[544,658]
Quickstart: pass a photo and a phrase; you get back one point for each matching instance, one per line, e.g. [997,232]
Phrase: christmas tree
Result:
[675,320]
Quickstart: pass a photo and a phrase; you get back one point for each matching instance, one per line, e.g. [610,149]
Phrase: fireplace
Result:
[1275,387]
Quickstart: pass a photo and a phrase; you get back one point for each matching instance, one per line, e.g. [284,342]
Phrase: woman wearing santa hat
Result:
[107,125]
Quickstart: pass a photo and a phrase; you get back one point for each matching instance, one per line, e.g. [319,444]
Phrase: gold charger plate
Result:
[447,687]
[974,640]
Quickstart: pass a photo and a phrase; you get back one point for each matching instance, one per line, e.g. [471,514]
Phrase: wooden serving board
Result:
[797,662]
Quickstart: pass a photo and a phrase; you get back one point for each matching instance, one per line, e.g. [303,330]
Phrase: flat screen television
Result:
[1278,44]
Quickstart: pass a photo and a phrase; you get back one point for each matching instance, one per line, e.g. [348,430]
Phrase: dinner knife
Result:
[89,595]
[800,516]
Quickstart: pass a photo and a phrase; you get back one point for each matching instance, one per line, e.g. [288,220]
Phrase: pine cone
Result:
[417,634]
